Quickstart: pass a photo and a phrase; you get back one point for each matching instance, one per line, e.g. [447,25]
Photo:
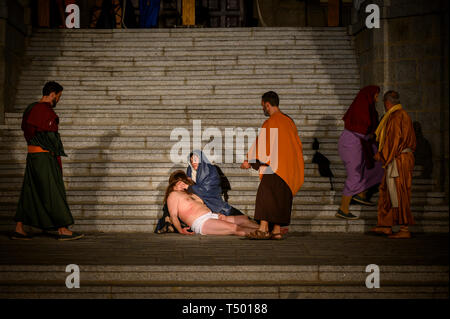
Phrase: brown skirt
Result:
[273,200]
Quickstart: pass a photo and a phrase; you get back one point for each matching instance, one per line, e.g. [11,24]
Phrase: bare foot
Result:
[64,231]
[19,229]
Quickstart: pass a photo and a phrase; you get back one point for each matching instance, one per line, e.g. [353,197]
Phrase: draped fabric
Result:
[43,203]
[280,148]
[399,136]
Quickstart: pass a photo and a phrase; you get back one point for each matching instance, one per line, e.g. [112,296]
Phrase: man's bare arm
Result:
[172,206]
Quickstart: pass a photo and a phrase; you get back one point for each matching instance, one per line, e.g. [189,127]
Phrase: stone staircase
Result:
[126,90]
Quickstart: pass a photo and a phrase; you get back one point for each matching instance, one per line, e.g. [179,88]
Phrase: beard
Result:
[54,102]
[266,112]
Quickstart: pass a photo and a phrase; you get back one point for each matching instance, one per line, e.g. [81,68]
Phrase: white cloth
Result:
[198,223]
[194,175]
[391,174]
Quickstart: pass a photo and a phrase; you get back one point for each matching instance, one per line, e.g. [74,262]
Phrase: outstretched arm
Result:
[172,206]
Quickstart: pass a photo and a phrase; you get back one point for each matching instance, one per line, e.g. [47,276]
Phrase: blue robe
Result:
[207,186]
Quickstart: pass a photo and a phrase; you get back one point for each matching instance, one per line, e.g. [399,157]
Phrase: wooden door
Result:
[222,13]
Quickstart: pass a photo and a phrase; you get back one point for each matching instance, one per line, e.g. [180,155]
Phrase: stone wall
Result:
[13,33]
[409,54]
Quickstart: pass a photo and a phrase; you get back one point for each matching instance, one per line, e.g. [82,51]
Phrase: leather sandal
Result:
[382,230]
[276,236]
[400,235]
[257,234]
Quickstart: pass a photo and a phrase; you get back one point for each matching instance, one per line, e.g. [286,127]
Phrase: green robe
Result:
[43,203]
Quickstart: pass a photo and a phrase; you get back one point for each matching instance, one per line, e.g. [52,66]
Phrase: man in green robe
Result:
[43,202]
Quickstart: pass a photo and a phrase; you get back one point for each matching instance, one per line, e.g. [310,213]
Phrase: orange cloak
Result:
[399,136]
[279,146]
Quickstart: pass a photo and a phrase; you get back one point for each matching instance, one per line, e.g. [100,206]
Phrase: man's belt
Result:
[36,149]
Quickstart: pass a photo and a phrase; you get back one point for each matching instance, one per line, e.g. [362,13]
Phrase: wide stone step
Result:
[167,73]
[71,51]
[193,91]
[159,182]
[216,43]
[215,291]
[168,136]
[146,154]
[130,62]
[303,225]
[238,197]
[13,167]
[139,35]
[35,79]
[172,266]
[174,32]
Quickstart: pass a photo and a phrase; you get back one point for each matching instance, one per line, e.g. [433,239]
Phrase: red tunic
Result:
[41,118]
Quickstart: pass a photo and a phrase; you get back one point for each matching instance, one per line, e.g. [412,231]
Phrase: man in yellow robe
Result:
[278,155]
[397,142]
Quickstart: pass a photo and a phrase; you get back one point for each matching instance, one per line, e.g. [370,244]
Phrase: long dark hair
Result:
[174,178]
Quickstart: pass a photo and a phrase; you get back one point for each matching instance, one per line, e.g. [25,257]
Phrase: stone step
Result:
[175,34]
[206,91]
[188,42]
[274,274]
[202,36]
[15,162]
[197,31]
[244,50]
[141,133]
[233,174]
[238,197]
[146,154]
[150,182]
[131,62]
[190,72]
[218,282]
[137,125]
[327,225]
[314,214]
[215,291]
[321,109]
[299,211]
[191,114]
[34,81]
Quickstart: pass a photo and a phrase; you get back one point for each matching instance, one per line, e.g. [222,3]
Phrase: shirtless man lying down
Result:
[192,211]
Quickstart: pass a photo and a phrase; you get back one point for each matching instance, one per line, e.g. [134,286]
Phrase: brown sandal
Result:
[257,234]
[276,236]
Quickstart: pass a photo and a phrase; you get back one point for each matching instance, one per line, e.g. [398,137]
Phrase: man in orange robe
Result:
[397,142]
[278,155]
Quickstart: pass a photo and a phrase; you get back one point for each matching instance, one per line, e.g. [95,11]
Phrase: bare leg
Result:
[240,220]
[363,195]
[220,227]
[276,232]
[345,203]
[264,226]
